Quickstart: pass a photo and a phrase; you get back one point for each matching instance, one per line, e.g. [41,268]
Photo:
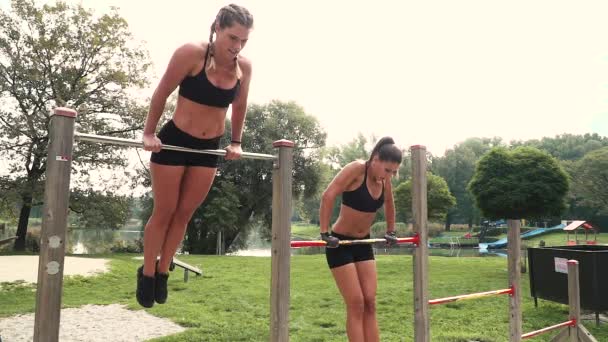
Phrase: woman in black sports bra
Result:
[211,76]
[365,187]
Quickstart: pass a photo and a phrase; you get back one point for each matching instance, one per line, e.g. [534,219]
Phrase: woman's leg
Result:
[166,181]
[366,271]
[194,188]
[348,283]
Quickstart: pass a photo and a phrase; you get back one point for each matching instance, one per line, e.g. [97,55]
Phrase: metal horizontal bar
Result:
[570,323]
[133,143]
[321,243]
[470,296]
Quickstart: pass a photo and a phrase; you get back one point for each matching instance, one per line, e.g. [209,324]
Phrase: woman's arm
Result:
[338,185]
[389,206]
[239,105]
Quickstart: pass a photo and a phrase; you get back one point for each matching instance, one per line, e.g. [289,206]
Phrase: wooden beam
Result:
[419,209]
[514,265]
[280,247]
[54,225]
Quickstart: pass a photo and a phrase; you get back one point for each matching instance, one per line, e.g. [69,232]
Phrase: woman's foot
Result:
[145,289]
[160,289]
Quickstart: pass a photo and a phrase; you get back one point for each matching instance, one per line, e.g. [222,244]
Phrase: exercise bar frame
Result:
[55,212]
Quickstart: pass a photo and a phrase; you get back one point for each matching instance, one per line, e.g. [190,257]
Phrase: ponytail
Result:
[386,150]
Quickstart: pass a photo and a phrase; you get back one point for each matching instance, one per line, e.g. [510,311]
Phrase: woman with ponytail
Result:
[211,76]
[365,187]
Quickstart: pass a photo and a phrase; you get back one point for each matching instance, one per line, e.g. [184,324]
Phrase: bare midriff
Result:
[198,120]
[353,223]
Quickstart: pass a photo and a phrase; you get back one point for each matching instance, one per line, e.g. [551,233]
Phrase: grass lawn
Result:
[231,301]
[304,231]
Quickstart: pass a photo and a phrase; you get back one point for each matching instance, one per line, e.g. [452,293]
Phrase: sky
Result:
[431,72]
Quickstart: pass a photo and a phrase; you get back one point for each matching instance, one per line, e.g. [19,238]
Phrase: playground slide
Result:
[502,243]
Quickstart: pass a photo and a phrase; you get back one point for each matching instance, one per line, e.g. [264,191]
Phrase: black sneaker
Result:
[160,288]
[145,289]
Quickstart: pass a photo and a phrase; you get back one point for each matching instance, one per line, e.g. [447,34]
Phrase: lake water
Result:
[93,241]
[400,250]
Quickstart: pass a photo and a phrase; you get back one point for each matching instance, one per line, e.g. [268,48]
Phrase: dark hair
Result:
[227,17]
[386,150]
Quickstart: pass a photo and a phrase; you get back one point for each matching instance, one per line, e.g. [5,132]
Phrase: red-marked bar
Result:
[470,296]
[320,243]
[283,143]
[571,323]
[63,111]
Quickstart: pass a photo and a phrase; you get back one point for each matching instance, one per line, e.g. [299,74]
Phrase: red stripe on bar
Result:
[571,323]
[297,244]
[470,296]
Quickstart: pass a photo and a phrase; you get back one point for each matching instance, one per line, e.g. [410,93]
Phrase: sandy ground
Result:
[25,267]
[94,323]
[90,323]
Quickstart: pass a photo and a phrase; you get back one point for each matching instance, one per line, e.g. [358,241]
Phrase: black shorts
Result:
[171,135]
[347,254]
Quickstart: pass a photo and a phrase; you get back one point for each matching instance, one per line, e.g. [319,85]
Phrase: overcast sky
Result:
[431,72]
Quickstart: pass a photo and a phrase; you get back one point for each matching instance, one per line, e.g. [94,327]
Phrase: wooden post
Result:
[54,224]
[281,236]
[576,333]
[574,299]
[514,257]
[419,209]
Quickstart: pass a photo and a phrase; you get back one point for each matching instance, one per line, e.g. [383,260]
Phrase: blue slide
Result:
[502,243]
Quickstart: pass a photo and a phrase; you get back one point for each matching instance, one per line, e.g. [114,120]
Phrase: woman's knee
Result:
[356,305]
[182,215]
[161,218]
[370,304]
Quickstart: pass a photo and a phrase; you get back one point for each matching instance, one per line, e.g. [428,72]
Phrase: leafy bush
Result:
[521,183]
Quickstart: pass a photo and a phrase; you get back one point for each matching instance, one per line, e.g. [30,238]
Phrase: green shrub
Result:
[520,183]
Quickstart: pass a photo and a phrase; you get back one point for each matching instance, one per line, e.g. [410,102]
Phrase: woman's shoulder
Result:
[355,167]
[244,64]
[193,49]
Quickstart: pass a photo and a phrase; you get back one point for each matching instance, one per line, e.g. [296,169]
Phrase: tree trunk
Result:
[24,216]
[448,221]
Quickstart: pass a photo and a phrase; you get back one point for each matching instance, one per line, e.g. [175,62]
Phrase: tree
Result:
[308,206]
[591,180]
[62,55]
[96,207]
[356,149]
[219,213]
[457,168]
[566,146]
[264,125]
[522,183]
[439,198]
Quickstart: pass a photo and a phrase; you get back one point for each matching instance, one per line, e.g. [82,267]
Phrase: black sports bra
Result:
[199,89]
[360,198]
